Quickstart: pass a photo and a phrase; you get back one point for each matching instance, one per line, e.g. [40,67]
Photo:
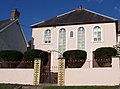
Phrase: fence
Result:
[95,63]
[68,64]
[16,64]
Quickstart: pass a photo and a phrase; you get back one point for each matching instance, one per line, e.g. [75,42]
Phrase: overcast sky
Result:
[33,11]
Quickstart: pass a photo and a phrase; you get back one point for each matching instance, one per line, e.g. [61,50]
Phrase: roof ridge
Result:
[7,25]
[65,13]
[37,23]
[53,17]
[100,14]
[79,16]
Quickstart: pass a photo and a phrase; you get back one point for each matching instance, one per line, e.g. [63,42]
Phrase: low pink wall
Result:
[19,76]
[93,76]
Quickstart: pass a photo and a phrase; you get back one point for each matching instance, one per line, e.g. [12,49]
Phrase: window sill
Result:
[46,43]
[71,37]
[97,41]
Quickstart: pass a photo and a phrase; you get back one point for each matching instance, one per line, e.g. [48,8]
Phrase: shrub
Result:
[75,58]
[103,55]
[30,55]
[11,55]
[10,58]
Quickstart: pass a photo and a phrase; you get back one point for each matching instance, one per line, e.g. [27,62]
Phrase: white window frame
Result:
[71,34]
[84,38]
[59,40]
[93,35]
[49,38]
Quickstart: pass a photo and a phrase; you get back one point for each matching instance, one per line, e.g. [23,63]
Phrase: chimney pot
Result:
[15,14]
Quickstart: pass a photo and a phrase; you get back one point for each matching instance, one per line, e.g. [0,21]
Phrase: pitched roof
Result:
[78,16]
[4,23]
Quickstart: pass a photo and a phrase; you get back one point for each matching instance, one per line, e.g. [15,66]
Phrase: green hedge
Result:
[30,55]
[105,52]
[75,58]
[11,55]
[10,58]
[103,55]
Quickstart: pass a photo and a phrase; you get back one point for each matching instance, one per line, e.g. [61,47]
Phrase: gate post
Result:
[61,71]
[37,66]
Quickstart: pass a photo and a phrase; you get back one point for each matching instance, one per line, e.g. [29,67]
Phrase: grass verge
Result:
[12,86]
[82,87]
[8,86]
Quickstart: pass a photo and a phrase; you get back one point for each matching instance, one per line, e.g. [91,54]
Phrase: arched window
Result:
[96,34]
[71,33]
[62,41]
[47,36]
[81,38]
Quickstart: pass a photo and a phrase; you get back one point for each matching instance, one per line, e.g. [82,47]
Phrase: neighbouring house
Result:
[118,35]
[80,29]
[11,34]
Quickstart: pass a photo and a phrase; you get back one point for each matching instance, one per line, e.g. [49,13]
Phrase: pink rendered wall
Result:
[17,76]
[93,76]
[108,35]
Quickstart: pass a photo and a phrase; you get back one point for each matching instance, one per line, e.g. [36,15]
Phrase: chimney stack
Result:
[15,14]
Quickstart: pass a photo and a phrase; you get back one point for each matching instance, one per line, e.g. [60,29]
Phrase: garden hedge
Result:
[75,58]
[103,55]
[30,55]
[10,58]
[11,55]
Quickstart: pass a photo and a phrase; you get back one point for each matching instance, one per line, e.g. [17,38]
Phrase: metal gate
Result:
[49,76]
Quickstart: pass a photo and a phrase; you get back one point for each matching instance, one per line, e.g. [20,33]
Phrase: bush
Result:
[10,58]
[75,58]
[103,55]
[30,55]
[11,55]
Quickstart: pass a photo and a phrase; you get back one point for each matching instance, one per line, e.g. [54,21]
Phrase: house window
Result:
[47,36]
[81,38]
[62,41]
[71,33]
[97,34]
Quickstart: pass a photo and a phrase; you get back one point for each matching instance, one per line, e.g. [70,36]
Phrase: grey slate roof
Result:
[4,23]
[78,16]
